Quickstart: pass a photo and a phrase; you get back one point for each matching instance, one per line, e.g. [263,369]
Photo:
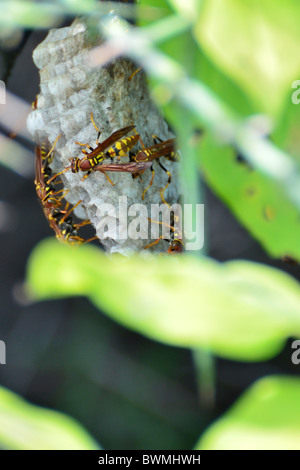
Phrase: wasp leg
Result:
[150,184]
[156,139]
[57,174]
[82,224]
[108,178]
[161,192]
[90,240]
[85,176]
[95,126]
[154,243]
[52,148]
[134,73]
[69,212]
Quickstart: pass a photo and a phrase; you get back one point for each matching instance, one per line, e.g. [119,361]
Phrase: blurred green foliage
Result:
[27,427]
[265,417]
[256,44]
[239,309]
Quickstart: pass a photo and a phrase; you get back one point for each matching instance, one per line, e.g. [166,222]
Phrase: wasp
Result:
[116,145]
[60,220]
[160,148]
[175,240]
[44,178]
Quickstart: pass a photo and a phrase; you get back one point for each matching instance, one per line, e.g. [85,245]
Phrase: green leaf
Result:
[266,417]
[160,7]
[224,87]
[188,9]
[286,133]
[259,202]
[28,14]
[238,310]
[27,427]
[255,43]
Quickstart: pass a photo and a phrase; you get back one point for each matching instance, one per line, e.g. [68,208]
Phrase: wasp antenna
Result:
[68,212]
[134,73]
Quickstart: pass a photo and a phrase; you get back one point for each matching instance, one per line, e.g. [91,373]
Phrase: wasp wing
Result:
[156,151]
[112,139]
[131,167]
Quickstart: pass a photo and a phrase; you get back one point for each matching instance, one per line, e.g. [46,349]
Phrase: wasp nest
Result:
[70,90]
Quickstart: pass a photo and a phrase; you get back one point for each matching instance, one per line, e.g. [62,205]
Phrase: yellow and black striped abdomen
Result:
[123,146]
[173,156]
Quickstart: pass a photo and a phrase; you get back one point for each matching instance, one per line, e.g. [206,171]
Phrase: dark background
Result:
[129,392]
